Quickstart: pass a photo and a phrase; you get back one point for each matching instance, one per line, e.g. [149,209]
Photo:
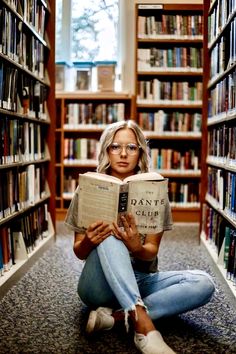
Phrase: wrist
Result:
[83,248]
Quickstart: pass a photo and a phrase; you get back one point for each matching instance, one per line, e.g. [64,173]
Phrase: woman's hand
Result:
[129,235]
[84,243]
[98,232]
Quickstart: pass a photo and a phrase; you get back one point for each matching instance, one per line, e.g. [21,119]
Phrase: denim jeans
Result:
[108,279]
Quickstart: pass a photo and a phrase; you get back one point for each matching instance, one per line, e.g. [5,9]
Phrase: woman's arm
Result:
[150,248]
[94,235]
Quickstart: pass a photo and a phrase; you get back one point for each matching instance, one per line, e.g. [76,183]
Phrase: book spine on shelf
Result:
[99,114]
[80,149]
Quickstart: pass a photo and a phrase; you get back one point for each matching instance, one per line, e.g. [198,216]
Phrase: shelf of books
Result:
[27,110]
[219,162]
[81,118]
[169,74]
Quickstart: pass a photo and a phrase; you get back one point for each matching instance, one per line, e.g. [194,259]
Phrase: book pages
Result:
[98,200]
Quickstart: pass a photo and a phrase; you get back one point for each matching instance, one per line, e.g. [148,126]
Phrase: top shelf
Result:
[171,39]
[170,7]
[85,95]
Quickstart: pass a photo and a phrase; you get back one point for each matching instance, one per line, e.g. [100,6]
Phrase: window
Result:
[58,28]
[98,30]
[93,30]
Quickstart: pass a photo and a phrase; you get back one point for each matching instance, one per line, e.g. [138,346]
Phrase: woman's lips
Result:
[122,164]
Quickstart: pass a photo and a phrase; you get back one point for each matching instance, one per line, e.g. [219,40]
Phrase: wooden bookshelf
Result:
[218,220]
[82,117]
[168,62]
[27,124]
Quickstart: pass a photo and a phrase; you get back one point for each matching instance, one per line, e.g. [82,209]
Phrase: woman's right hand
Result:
[98,232]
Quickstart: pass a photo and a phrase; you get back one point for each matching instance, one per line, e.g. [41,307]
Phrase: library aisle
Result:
[42,313]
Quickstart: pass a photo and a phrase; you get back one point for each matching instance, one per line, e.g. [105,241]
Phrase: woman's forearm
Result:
[146,252]
[149,250]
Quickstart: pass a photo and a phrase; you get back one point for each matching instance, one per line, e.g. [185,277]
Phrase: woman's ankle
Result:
[142,322]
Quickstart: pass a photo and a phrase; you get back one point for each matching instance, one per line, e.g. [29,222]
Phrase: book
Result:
[20,251]
[107,198]
[106,72]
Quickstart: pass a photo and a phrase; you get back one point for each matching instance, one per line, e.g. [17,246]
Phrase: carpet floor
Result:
[42,313]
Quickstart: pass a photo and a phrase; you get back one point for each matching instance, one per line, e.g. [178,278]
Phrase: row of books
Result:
[33,12]
[232,48]
[223,96]
[18,45]
[175,121]
[216,185]
[70,184]
[8,87]
[222,236]
[21,237]
[178,58]
[222,187]
[170,159]
[90,113]
[156,90]
[170,24]
[21,189]
[20,141]
[219,17]
[184,194]
[219,58]
[9,140]
[230,195]
[21,93]
[222,144]
[222,59]
[80,149]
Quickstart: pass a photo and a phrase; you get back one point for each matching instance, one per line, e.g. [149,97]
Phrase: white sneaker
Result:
[100,320]
[152,343]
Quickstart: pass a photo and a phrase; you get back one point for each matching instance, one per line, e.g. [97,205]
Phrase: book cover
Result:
[104,197]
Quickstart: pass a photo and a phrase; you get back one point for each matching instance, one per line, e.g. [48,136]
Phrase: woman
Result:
[120,280]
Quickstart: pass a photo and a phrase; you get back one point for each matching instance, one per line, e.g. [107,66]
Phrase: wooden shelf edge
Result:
[186,215]
[89,95]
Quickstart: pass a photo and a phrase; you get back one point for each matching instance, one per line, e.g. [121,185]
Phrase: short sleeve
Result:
[71,220]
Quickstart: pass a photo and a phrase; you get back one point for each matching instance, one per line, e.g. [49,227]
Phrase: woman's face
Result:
[123,153]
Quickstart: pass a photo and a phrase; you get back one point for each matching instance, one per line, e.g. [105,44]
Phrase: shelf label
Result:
[150,7]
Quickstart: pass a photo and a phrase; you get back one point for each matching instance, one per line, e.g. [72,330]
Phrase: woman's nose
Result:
[123,150]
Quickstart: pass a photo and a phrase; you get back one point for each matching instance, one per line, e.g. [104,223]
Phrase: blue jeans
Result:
[108,279]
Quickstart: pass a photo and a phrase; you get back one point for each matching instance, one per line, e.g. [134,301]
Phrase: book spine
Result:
[123,202]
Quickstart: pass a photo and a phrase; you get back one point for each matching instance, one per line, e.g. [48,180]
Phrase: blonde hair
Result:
[107,138]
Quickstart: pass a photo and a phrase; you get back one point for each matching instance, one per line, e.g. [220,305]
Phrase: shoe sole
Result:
[91,322]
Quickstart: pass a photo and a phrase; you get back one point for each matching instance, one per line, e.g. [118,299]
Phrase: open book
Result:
[104,197]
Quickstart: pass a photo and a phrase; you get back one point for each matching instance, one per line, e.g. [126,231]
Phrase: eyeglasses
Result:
[131,149]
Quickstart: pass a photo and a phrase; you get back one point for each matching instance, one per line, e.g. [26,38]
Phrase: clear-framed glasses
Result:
[131,148]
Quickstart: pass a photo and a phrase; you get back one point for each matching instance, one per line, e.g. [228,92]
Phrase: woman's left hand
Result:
[129,235]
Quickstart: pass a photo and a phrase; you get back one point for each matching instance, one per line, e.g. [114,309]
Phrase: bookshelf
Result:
[168,75]
[219,136]
[81,118]
[27,111]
